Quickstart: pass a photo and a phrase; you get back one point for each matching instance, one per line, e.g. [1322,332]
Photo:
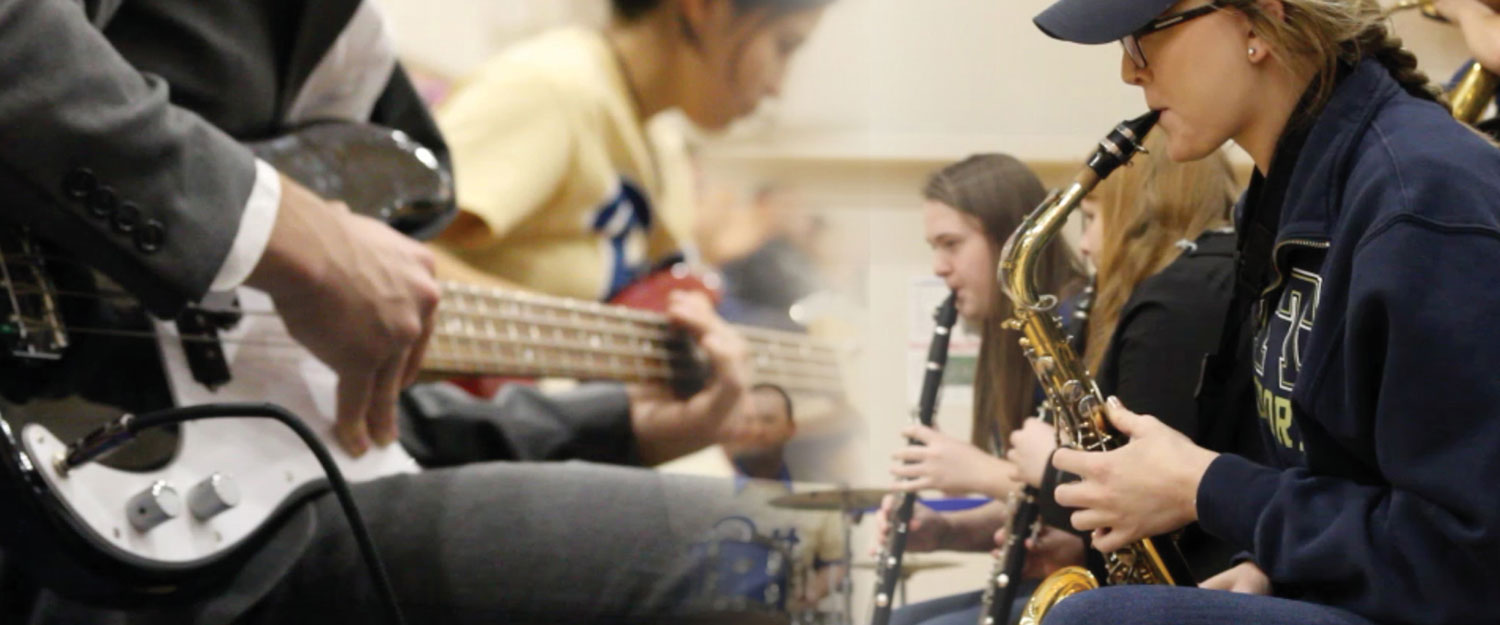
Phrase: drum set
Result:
[742,570]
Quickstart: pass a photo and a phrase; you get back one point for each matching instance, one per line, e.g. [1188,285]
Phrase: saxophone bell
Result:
[1472,94]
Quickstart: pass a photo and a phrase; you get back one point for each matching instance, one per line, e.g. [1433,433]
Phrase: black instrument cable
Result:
[125,429]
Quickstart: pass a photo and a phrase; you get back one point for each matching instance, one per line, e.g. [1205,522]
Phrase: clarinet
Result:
[889,563]
[1003,585]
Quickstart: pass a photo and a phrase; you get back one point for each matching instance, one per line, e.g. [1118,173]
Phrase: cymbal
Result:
[849,499]
[910,565]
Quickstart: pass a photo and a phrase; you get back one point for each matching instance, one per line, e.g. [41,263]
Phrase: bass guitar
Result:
[81,352]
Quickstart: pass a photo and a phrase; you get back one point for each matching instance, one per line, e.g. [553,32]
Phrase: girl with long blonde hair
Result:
[1157,234]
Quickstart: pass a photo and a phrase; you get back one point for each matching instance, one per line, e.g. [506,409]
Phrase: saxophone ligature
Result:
[888,564]
[1069,391]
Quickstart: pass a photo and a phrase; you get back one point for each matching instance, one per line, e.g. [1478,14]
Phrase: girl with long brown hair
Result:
[969,209]
[1157,235]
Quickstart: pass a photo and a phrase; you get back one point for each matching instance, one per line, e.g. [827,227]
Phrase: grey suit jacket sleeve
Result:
[94,158]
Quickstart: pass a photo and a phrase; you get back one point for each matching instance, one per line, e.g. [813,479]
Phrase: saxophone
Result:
[1070,393]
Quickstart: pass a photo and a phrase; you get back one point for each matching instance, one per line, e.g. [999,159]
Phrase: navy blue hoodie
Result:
[1378,369]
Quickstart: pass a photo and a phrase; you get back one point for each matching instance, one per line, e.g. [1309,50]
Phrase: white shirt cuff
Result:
[255,229]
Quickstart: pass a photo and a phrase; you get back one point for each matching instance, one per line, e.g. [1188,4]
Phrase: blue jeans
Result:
[950,610]
[961,609]
[1173,605]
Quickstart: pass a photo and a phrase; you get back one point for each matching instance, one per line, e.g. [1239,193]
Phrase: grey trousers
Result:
[514,543]
[489,543]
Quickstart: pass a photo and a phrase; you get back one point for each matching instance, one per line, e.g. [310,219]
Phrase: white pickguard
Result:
[267,461]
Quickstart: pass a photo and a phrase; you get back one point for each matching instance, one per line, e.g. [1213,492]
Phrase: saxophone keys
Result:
[883,600]
[1088,406]
[1002,580]
[1072,391]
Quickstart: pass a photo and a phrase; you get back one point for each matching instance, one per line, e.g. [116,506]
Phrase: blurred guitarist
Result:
[565,184]
[123,123]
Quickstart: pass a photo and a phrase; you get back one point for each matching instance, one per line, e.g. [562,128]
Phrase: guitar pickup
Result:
[199,326]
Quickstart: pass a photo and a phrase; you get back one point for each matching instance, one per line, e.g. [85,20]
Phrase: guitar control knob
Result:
[152,507]
[212,496]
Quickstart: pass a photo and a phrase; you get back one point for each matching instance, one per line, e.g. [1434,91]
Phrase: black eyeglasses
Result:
[1132,41]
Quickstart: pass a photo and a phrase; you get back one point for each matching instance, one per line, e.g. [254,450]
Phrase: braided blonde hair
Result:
[1317,35]
[1146,209]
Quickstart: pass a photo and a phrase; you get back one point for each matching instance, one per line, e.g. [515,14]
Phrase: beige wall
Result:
[887,78]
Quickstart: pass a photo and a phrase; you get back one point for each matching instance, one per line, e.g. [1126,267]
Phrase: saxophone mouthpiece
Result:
[1135,130]
[1122,143]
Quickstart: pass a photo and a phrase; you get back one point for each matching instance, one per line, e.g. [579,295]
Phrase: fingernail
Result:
[1115,402]
[358,446]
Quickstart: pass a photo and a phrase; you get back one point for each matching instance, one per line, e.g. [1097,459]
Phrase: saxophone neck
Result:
[1025,246]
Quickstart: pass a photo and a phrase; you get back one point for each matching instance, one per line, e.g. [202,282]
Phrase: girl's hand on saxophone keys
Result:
[1146,487]
[950,465]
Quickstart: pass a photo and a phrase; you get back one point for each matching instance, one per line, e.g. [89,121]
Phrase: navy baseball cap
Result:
[1098,21]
